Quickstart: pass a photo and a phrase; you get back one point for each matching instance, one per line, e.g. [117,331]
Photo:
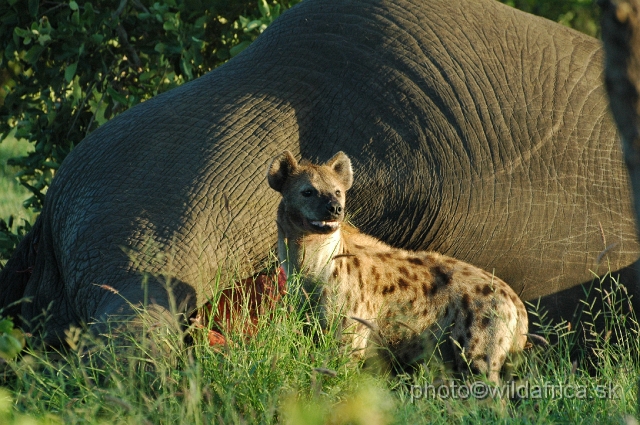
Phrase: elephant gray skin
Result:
[475,130]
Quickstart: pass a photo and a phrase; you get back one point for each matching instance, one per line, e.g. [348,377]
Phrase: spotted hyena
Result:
[410,302]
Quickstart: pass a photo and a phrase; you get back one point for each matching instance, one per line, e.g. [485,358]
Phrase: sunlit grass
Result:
[290,372]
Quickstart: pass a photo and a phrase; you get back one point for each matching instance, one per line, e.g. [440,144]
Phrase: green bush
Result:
[68,67]
[582,15]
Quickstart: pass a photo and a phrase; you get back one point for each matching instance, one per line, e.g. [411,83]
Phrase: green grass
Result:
[12,194]
[282,375]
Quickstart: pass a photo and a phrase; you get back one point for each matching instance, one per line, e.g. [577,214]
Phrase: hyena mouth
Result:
[322,226]
[330,224]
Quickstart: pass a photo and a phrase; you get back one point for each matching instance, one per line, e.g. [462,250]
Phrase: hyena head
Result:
[313,196]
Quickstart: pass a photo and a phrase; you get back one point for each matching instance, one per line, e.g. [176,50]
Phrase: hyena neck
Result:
[308,254]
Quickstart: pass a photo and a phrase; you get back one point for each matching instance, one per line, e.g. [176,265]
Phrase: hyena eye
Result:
[338,193]
[307,193]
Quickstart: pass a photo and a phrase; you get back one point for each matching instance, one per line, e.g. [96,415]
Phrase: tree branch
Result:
[124,37]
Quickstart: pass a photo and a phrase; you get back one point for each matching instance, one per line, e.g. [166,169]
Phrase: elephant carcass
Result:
[475,130]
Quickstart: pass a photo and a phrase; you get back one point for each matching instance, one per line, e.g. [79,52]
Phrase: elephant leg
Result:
[15,275]
[152,304]
[128,298]
[46,311]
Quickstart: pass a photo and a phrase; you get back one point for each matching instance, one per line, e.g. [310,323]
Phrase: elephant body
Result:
[475,130]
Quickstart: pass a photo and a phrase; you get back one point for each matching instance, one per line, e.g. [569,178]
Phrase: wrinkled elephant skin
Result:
[475,130]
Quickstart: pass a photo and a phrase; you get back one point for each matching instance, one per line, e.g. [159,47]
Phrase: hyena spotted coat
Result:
[415,301]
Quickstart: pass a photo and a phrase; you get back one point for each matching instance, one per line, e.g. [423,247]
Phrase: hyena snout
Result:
[334,208]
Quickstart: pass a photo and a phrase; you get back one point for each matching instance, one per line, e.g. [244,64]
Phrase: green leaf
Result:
[99,111]
[51,164]
[33,7]
[117,96]
[275,11]
[17,333]
[77,91]
[22,33]
[73,5]
[145,76]
[186,67]
[11,340]
[70,72]
[43,39]
[88,14]
[235,50]
[97,38]
[253,25]
[33,54]
[200,22]
[243,21]
[10,346]
[263,6]
[6,326]
[44,26]
[222,54]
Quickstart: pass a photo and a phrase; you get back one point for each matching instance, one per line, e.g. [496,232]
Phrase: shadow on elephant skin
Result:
[581,304]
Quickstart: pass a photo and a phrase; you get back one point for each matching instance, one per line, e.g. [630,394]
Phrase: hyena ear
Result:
[282,166]
[341,165]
